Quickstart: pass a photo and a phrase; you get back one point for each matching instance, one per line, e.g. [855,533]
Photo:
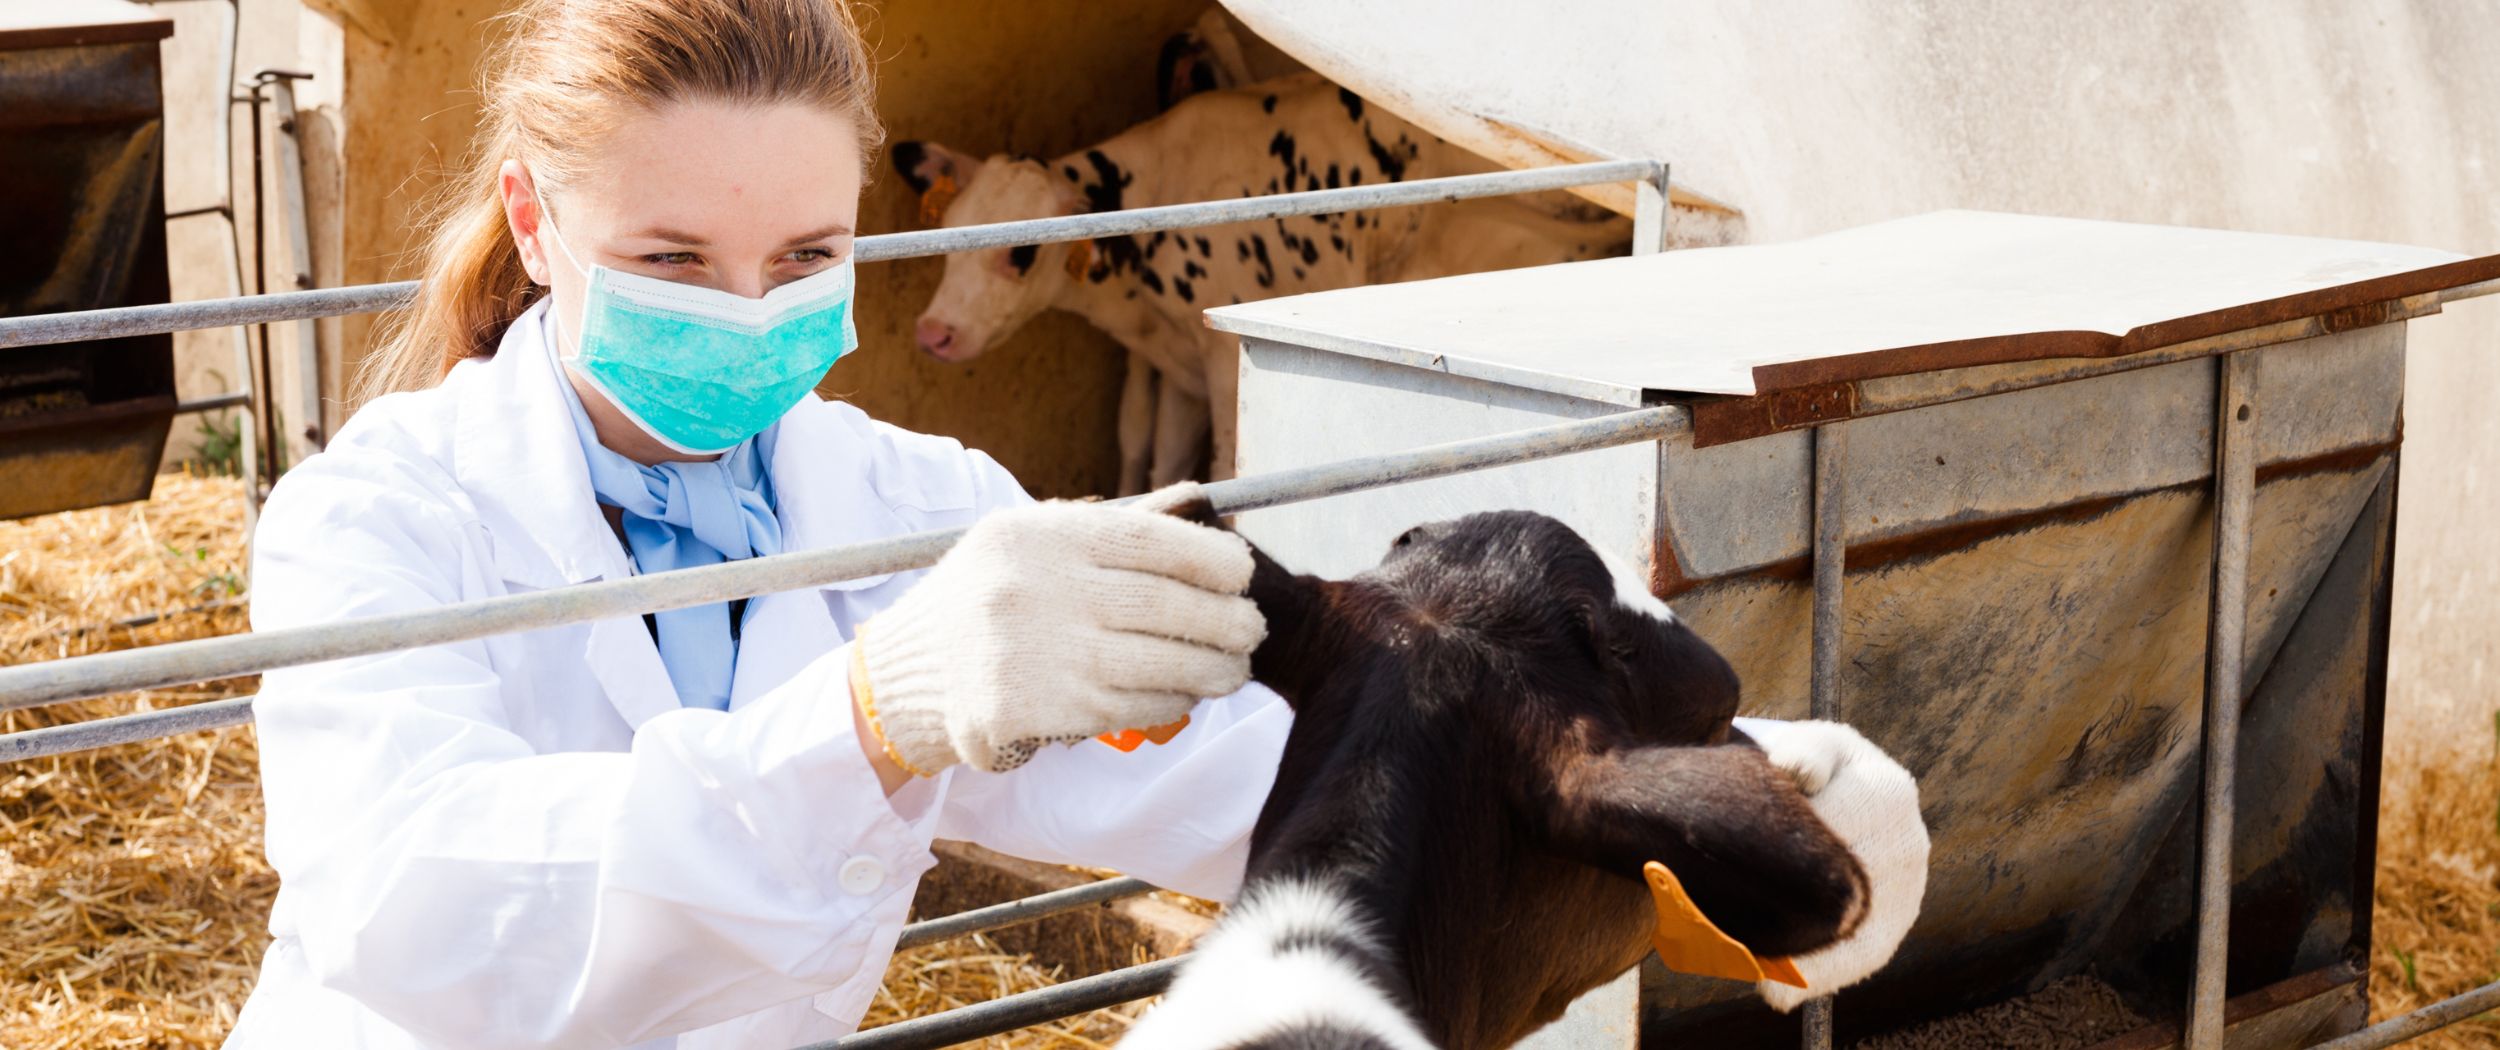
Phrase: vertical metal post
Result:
[289,176]
[1648,238]
[1831,562]
[2235,483]
[265,441]
[1649,213]
[247,422]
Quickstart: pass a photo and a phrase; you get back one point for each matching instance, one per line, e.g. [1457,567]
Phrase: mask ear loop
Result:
[547,222]
[547,213]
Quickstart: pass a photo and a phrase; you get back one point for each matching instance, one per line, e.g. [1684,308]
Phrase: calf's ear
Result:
[1304,638]
[934,172]
[1736,832]
[1186,66]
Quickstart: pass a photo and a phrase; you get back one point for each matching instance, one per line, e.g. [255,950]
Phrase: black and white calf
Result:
[1495,729]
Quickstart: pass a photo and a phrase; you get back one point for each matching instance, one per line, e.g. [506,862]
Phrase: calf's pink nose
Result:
[937,338]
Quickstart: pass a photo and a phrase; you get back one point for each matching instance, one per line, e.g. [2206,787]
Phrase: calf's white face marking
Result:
[1631,591]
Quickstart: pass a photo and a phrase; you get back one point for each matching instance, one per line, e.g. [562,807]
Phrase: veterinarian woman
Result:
[702,828]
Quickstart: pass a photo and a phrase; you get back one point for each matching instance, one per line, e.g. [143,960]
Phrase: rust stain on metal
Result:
[1667,577]
[2342,308]
[2355,302]
[1717,421]
[2336,462]
[2358,315]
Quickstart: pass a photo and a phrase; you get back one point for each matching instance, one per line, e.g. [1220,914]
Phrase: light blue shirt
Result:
[681,516]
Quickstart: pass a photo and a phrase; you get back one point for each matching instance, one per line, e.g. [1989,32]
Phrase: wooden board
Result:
[1943,290]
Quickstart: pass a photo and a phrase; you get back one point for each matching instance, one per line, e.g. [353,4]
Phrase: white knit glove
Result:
[1868,800]
[1056,622]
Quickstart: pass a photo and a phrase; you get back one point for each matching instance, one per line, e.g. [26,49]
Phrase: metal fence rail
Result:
[209,659]
[42,329]
[1028,909]
[123,729]
[2420,1022]
[1021,1010]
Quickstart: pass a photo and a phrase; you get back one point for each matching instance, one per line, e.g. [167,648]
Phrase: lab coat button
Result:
[861,876]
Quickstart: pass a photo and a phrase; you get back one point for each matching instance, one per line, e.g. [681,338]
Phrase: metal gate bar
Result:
[123,729]
[158,318]
[1831,568]
[1017,912]
[208,659]
[2420,1022]
[1021,1010]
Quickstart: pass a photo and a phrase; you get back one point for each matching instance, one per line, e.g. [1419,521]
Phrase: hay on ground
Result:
[133,893]
[959,973]
[2436,930]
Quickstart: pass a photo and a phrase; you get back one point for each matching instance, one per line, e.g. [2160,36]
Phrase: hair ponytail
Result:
[569,71]
[472,288]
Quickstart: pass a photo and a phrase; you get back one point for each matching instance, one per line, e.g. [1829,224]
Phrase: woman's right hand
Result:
[1051,623]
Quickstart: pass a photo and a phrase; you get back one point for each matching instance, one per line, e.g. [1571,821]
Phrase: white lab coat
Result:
[526,841]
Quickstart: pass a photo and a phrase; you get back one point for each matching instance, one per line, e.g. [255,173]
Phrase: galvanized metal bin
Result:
[82,135]
[2029,417]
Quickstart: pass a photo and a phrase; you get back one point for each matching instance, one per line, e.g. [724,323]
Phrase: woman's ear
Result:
[525,216]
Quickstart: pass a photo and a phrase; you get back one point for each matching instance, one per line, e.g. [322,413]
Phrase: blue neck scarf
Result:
[681,516]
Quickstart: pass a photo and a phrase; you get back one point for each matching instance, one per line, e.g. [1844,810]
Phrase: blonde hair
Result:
[570,71]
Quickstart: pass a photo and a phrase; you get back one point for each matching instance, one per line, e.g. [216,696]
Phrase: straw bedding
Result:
[133,894]
[132,889]
[2436,930]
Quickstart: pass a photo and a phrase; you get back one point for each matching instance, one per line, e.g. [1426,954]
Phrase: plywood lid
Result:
[1942,290]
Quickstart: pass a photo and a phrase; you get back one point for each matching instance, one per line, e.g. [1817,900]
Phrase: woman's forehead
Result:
[722,173]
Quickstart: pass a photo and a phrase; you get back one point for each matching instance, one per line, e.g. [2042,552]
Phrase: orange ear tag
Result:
[1132,739]
[934,200]
[1688,942]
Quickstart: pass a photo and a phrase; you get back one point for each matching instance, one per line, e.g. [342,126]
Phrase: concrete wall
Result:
[2371,120]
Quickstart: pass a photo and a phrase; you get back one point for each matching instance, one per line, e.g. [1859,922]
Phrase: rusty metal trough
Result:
[81,169]
[2024,415]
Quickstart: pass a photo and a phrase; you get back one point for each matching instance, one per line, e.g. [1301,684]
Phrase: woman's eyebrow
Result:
[828,233]
[663,233]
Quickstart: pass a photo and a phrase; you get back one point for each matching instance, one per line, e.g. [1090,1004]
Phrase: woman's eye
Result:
[672,259]
[812,256]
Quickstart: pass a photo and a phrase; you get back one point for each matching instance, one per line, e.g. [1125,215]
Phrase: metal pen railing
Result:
[159,318]
[210,659]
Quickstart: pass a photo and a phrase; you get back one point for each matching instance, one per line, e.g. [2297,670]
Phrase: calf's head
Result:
[987,294]
[1495,730]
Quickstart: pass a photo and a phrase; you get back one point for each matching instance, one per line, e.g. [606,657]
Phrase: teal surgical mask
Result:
[699,369]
